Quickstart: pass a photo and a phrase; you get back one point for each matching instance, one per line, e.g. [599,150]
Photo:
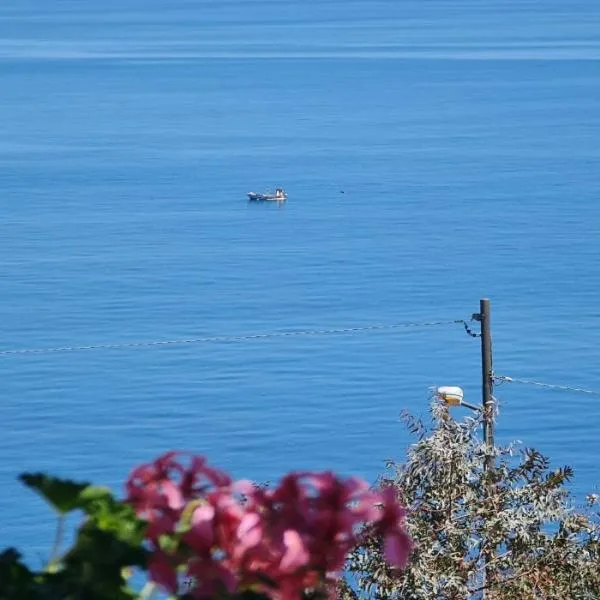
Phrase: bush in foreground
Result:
[511,531]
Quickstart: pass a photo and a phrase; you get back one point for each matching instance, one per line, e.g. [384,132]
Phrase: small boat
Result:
[278,196]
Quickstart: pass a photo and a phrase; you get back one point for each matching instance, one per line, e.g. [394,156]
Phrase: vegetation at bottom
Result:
[444,524]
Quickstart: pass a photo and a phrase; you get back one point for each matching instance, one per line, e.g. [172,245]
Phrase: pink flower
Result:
[202,531]
[165,485]
[199,477]
[211,579]
[237,536]
[249,533]
[295,555]
[162,571]
[397,544]
[397,548]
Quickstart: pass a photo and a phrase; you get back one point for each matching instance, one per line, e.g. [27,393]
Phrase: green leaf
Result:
[11,567]
[95,493]
[168,543]
[62,494]
[104,549]
[16,580]
[97,502]
[114,516]
[97,567]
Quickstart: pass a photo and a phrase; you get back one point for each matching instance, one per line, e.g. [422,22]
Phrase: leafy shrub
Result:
[511,532]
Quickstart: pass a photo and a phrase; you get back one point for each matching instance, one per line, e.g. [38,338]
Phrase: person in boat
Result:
[279,195]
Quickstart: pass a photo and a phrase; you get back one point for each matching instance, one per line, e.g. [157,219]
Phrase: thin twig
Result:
[60,529]
[520,575]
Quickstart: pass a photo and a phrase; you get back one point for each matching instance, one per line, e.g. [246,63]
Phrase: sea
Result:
[434,153]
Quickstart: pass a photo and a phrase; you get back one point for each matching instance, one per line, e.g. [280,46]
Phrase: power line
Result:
[549,386]
[233,338]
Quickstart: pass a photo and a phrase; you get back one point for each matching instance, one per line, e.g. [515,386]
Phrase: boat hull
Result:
[266,197]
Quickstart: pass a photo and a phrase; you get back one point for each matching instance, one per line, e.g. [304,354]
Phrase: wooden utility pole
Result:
[487,378]
[487,383]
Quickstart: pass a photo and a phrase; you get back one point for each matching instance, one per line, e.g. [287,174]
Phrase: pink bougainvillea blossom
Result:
[397,544]
[235,536]
[162,571]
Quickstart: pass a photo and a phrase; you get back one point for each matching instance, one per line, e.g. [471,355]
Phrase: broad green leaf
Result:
[116,517]
[62,494]
[99,558]
[94,493]
[97,500]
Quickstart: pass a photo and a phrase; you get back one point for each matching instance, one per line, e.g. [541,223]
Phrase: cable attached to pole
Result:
[548,386]
[232,338]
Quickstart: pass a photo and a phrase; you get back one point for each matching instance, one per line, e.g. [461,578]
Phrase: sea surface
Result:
[434,153]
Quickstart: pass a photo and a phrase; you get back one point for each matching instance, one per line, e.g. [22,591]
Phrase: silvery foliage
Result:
[512,532]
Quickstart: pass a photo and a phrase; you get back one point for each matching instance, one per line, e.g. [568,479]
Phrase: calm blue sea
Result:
[466,138]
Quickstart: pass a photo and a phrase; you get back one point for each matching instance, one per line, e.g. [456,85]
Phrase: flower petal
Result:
[202,530]
[173,495]
[162,572]
[296,554]
[397,548]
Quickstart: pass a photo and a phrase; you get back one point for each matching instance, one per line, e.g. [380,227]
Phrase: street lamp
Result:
[454,396]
